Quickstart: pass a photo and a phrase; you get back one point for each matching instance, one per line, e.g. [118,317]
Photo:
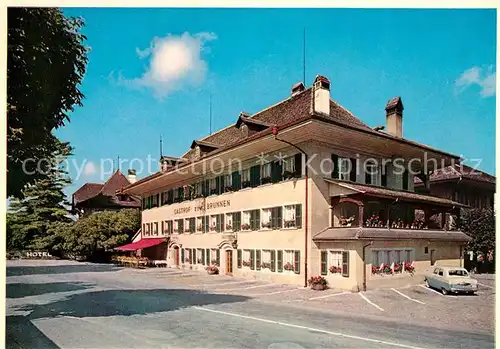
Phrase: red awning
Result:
[143,243]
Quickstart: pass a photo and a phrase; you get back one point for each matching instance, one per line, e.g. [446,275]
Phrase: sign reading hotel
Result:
[201,208]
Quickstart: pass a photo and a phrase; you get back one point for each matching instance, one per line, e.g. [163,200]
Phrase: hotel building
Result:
[299,189]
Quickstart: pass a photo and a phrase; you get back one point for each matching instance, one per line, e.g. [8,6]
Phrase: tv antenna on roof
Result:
[161,148]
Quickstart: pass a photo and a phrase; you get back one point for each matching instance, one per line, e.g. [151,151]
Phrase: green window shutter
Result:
[405,180]
[273,260]
[252,259]
[296,263]
[352,174]
[275,172]
[257,219]
[161,199]
[236,221]
[181,194]
[217,186]
[345,263]
[203,257]
[182,255]
[298,165]
[255,176]
[335,164]
[236,180]
[218,257]
[279,218]
[280,261]
[324,267]
[205,187]
[257,259]
[206,222]
[192,225]
[207,256]
[221,185]
[239,257]
[170,196]
[298,216]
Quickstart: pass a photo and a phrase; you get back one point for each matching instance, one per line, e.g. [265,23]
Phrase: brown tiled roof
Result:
[115,182]
[392,193]
[87,191]
[109,188]
[455,172]
[389,234]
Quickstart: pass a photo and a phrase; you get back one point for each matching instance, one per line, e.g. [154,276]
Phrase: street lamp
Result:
[275,131]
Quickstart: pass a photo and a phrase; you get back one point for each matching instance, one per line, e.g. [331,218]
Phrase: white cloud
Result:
[174,62]
[89,169]
[484,78]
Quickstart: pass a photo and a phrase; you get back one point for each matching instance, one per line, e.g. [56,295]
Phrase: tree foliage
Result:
[46,62]
[44,203]
[479,224]
[101,231]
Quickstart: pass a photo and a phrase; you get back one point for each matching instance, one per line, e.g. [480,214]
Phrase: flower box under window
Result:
[245,226]
[266,225]
[288,267]
[246,263]
[290,224]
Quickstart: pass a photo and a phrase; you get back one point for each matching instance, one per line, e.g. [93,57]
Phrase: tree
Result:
[46,62]
[479,224]
[99,232]
[30,220]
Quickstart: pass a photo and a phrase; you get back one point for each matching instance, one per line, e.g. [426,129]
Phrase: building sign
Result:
[201,208]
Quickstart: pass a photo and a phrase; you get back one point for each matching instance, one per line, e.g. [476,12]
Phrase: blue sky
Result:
[441,62]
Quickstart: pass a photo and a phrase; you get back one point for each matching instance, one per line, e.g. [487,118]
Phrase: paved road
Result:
[58,304]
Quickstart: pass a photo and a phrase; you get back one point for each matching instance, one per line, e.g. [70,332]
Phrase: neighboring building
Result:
[93,197]
[461,183]
[263,219]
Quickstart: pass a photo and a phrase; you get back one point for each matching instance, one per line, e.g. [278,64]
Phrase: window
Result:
[277,217]
[213,186]
[228,222]
[228,183]
[213,223]
[266,173]
[176,194]
[219,223]
[199,224]
[239,257]
[198,192]
[370,173]
[192,225]
[245,225]
[246,179]
[426,250]
[266,218]
[255,220]
[289,167]
[236,221]
[168,227]
[383,257]
[289,216]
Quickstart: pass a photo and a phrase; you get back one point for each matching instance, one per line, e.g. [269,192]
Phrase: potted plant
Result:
[266,225]
[245,226]
[229,226]
[288,266]
[212,227]
[228,188]
[317,283]
[212,270]
[375,270]
[335,269]
[246,263]
[290,223]
[409,268]
[200,227]
[346,221]
[186,260]
[387,269]
[266,265]
[199,261]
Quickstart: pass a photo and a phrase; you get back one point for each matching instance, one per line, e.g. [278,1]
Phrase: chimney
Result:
[321,89]
[131,176]
[394,117]
[297,88]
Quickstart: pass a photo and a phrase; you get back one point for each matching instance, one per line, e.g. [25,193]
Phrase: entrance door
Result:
[433,257]
[229,262]
[177,256]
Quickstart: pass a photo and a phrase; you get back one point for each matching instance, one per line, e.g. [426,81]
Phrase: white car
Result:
[449,279]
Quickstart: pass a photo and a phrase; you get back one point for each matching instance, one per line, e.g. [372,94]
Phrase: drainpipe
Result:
[364,264]
[306,215]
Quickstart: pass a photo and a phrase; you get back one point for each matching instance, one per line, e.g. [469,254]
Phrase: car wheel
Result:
[427,283]
[445,291]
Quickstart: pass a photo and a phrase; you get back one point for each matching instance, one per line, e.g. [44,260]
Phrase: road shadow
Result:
[126,303]
[60,269]
[20,290]
[21,333]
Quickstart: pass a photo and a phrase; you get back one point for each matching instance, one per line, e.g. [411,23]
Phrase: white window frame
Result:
[228,219]
[389,255]
[371,169]
[289,215]
[265,217]
[212,223]
[245,175]
[289,257]
[212,184]
[289,164]
[265,170]
[228,180]
[245,219]
[343,165]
